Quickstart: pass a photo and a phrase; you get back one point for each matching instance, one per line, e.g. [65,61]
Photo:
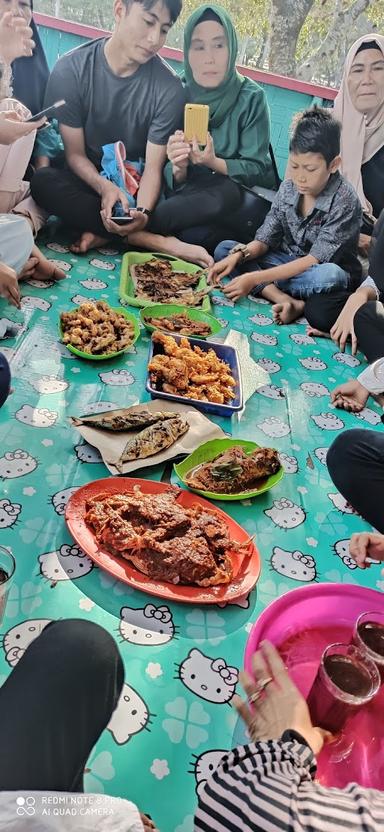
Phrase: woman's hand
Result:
[351,396]
[9,285]
[206,156]
[178,152]
[363,545]
[279,706]
[15,38]
[343,327]
[12,127]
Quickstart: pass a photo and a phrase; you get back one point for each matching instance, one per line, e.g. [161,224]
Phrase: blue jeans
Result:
[325,277]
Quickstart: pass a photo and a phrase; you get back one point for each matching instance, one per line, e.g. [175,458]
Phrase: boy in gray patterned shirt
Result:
[308,241]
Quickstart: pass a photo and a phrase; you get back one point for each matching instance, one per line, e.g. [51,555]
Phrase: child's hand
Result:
[9,285]
[223,268]
[241,286]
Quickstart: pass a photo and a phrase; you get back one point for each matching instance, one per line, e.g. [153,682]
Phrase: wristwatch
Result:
[241,248]
[144,211]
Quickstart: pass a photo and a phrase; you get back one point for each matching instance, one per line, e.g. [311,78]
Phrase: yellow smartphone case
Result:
[196,118]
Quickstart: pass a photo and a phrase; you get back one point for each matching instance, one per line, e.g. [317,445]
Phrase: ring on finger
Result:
[259,690]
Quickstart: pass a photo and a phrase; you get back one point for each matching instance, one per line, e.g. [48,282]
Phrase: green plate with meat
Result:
[105,356]
[166,310]
[209,451]
[127,288]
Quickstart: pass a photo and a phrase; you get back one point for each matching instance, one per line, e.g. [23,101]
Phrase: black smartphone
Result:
[49,111]
[119,220]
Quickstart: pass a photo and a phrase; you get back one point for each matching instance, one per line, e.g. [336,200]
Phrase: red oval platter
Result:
[246,567]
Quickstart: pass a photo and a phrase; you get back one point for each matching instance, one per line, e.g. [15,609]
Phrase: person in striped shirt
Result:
[269,785]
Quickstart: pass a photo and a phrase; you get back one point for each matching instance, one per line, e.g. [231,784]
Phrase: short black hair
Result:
[174,6]
[316,131]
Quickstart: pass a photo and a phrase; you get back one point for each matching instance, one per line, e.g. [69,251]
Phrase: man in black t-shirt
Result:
[115,88]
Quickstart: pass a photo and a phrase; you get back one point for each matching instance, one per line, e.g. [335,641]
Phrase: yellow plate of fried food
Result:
[97,331]
[206,374]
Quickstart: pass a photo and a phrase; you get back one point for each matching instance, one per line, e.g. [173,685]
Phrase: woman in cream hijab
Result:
[359,106]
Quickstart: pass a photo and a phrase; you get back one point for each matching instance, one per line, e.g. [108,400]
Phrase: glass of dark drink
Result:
[7,571]
[346,679]
[368,636]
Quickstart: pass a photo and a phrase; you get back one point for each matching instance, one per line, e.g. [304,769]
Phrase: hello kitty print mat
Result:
[174,720]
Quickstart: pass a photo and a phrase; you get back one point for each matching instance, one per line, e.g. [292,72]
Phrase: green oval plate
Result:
[163,310]
[80,354]
[207,452]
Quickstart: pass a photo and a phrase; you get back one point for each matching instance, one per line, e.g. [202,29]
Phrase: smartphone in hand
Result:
[48,112]
[196,119]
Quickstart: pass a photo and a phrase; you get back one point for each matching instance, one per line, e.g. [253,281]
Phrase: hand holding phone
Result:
[48,112]
[122,220]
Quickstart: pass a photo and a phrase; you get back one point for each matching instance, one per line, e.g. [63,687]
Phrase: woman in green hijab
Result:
[203,185]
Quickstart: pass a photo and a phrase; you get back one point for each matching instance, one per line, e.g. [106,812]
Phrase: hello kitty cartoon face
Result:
[270,391]
[9,513]
[98,407]
[101,264]
[321,455]
[341,548]
[274,427]
[108,252]
[36,417]
[87,453]
[223,322]
[289,463]
[205,765]
[130,717]
[61,264]
[221,300]
[58,247]
[40,284]
[60,499]
[341,504]
[314,390]
[93,283]
[328,421]
[369,416]
[62,350]
[243,603]
[299,338]
[313,363]
[294,565]
[267,340]
[16,464]
[268,365]
[286,514]
[117,378]
[79,299]
[148,627]
[344,358]
[20,637]
[261,320]
[48,384]
[211,679]
[35,303]
[65,564]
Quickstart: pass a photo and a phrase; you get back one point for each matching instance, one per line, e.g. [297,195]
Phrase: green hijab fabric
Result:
[221,99]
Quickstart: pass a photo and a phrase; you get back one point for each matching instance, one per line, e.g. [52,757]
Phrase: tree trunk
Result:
[324,61]
[287,18]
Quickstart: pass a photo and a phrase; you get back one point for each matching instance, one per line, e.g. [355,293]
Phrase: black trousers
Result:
[322,311]
[55,704]
[356,464]
[369,328]
[206,202]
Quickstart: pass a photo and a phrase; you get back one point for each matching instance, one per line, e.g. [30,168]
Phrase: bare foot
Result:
[86,242]
[285,313]
[318,333]
[186,251]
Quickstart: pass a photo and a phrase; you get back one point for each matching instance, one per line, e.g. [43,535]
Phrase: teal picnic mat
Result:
[167,731]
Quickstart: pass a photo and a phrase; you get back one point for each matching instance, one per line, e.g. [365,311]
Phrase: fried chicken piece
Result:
[170,370]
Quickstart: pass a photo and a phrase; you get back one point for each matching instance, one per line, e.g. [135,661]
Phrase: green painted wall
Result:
[283,103]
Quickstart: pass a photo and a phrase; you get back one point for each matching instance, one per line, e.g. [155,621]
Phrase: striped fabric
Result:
[269,787]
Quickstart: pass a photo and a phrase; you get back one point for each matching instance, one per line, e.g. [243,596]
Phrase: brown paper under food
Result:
[111,445]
